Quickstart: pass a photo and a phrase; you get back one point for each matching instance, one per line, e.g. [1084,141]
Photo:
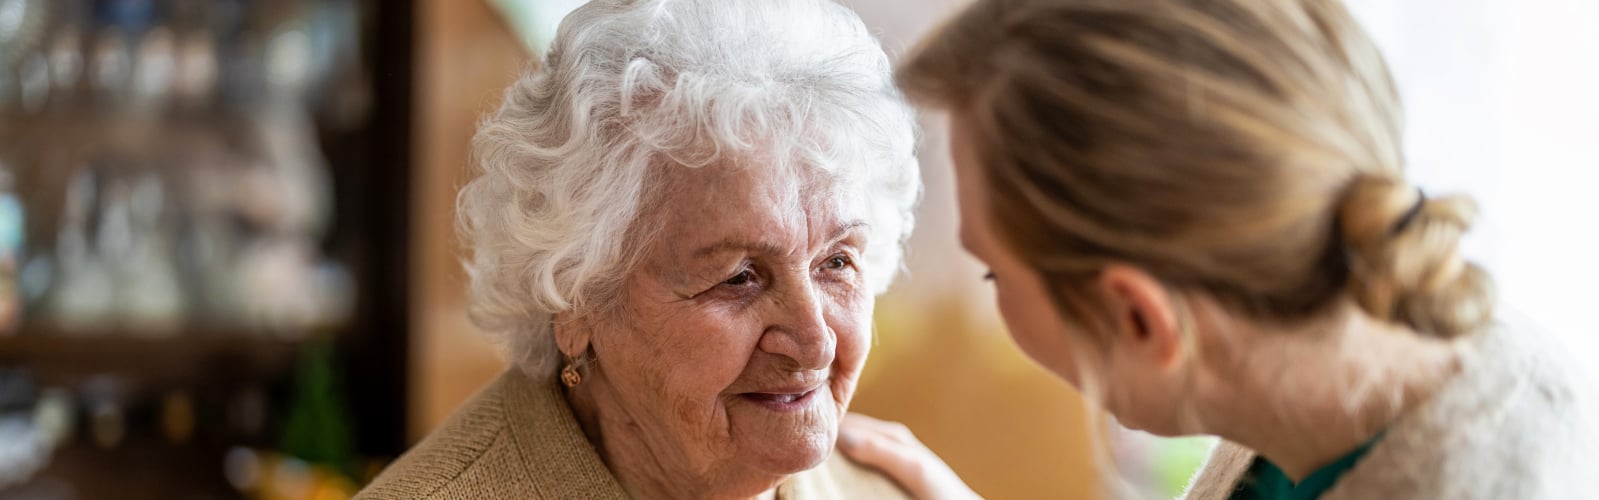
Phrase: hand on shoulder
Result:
[893,449]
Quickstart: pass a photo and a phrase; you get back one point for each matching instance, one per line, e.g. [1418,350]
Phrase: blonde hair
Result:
[1246,149]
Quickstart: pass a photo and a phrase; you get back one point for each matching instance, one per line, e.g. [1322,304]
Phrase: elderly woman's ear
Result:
[573,334]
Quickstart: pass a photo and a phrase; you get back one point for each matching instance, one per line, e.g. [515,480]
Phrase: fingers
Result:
[873,447]
[882,447]
[894,431]
[891,448]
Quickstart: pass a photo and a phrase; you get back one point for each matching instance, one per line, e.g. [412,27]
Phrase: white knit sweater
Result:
[1519,422]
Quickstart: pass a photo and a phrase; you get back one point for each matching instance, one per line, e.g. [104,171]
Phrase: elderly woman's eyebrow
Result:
[734,244]
[844,230]
[769,248]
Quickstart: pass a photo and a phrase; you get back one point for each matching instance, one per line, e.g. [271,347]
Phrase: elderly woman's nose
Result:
[801,332]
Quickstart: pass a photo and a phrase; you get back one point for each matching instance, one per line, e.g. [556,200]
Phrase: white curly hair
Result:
[632,89]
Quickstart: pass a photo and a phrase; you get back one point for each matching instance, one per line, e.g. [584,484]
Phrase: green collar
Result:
[1265,481]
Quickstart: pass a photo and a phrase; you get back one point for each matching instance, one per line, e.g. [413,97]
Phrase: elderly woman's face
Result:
[740,337]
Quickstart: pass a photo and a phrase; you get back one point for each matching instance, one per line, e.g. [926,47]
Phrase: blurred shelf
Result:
[140,469]
[56,357]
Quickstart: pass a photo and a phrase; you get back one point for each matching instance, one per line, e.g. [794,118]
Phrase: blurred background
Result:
[228,266]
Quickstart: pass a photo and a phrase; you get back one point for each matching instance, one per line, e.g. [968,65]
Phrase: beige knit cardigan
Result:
[517,438]
[1519,422]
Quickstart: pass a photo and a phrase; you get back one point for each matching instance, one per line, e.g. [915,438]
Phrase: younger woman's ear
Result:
[1143,314]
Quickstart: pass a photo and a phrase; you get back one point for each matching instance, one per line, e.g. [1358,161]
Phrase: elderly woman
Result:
[680,224]
[1196,212]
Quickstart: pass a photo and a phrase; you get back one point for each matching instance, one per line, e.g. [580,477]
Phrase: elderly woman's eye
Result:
[742,278]
[837,262]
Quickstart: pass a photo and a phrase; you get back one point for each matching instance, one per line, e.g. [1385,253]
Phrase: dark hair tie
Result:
[1410,215]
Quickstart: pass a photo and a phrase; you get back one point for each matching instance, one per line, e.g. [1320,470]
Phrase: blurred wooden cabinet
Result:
[205,366]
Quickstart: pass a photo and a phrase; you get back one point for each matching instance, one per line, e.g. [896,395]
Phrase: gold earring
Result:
[569,375]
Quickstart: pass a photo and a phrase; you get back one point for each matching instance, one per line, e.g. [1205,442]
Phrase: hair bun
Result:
[1404,257]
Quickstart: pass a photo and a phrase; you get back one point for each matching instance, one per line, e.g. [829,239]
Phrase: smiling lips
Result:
[785,401]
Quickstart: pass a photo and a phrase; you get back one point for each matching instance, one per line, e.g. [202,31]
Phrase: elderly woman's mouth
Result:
[783,401]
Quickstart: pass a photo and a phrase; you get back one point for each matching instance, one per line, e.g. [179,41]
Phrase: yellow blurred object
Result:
[1009,428]
[272,476]
[177,417]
